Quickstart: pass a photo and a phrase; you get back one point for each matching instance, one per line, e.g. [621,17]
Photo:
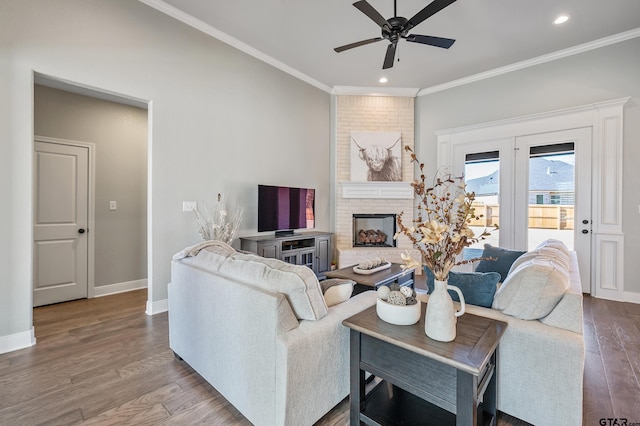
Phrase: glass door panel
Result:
[552,188]
[551,194]
[482,176]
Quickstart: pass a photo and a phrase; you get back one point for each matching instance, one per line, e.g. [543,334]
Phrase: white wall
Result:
[220,120]
[607,73]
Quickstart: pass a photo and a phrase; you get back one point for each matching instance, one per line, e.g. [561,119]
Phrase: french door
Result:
[534,187]
[553,193]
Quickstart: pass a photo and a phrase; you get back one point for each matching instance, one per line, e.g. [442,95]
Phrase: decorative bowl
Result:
[398,314]
[357,270]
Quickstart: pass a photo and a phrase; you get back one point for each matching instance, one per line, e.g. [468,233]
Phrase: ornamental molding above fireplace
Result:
[397,190]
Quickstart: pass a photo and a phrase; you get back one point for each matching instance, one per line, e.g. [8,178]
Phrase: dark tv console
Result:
[312,249]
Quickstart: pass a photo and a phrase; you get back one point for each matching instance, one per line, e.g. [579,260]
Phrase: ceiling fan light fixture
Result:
[397,28]
[561,19]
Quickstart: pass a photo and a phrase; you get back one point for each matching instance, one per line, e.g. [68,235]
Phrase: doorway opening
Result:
[117,127]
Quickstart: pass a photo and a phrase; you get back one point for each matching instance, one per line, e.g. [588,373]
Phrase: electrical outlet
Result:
[189,206]
[113,205]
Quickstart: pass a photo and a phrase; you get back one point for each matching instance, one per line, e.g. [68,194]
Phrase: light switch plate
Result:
[113,205]
[189,206]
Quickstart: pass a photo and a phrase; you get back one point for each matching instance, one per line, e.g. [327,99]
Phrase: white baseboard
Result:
[157,307]
[622,296]
[631,297]
[16,341]
[106,290]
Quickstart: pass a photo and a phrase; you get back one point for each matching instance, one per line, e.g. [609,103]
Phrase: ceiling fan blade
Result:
[364,7]
[445,43]
[390,56]
[357,44]
[431,9]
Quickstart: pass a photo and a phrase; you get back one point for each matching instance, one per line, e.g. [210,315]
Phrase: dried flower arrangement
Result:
[441,227]
[217,223]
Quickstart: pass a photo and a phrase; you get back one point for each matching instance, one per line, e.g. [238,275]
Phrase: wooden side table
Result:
[432,382]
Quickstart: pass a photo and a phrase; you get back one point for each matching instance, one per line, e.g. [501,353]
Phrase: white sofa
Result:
[541,361]
[236,319]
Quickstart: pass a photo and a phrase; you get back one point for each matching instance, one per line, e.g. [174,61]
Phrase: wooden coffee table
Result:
[395,273]
[432,382]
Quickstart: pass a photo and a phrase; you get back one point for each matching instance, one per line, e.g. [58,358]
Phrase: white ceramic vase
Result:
[441,318]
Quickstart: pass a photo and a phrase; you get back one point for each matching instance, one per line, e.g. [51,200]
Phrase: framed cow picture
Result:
[376,156]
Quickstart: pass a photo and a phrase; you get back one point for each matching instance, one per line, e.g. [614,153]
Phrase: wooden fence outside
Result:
[542,216]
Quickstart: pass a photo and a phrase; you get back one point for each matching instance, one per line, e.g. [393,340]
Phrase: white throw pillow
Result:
[336,290]
[533,289]
[555,244]
[551,253]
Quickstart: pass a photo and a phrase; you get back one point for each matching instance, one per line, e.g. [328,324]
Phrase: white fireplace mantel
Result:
[387,190]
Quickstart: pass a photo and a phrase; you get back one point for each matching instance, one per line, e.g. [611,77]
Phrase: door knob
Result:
[585,231]
[81,231]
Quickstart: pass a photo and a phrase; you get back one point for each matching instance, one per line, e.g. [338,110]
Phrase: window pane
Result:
[482,176]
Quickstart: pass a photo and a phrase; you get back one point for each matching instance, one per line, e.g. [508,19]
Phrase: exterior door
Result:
[534,187]
[60,249]
[553,193]
[487,167]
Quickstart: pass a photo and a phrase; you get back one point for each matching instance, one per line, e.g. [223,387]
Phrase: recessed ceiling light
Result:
[383,80]
[561,19]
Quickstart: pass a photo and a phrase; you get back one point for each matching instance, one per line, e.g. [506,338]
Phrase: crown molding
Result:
[585,47]
[187,19]
[408,92]
[199,25]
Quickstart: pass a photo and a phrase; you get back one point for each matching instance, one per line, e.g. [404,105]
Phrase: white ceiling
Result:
[491,35]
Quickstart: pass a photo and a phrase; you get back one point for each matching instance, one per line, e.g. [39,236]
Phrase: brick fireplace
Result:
[372,113]
[380,211]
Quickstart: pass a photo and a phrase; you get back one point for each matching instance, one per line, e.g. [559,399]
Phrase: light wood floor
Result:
[103,361]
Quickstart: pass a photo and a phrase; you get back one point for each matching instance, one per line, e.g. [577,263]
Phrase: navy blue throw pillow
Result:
[478,288]
[502,264]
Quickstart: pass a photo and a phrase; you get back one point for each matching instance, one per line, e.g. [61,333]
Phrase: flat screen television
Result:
[283,209]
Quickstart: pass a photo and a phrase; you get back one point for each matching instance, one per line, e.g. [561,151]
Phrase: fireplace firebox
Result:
[374,230]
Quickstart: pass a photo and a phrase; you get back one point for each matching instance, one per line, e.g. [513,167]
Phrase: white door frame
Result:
[606,119]
[91,147]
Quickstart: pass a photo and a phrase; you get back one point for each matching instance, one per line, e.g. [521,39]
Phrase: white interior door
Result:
[60,223]
[553,193]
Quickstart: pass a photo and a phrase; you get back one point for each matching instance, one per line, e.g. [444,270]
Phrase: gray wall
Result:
[119,133]
[610,72]
[219,120]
